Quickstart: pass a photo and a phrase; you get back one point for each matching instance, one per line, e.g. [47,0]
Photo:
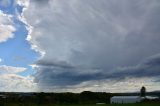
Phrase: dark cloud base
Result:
[61,76]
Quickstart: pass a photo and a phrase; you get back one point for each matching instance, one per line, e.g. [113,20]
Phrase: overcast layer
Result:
[95,42]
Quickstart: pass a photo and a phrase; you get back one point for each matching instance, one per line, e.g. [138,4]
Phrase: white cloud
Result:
[6,27]
[11,81]
[16,83]
[10,69]
[24,3]
[0,60]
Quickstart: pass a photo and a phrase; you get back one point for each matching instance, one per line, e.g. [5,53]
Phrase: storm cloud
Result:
[91,40]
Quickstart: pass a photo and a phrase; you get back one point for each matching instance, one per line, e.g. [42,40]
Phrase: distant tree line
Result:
[86,97]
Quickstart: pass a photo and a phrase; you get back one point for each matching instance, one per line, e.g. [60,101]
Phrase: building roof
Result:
[134,97]
[152,97]
[128,97]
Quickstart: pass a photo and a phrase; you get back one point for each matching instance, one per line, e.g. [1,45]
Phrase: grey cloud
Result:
[41,2]
[148,68]
[52,63]
[92,38]
[66,78]
[61,76]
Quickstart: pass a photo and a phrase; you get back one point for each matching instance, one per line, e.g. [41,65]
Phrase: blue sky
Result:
[17,51]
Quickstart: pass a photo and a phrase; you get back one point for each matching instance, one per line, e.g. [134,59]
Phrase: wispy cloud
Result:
[10,69]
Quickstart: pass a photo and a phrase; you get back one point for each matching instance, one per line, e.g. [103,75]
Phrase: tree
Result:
[143,91]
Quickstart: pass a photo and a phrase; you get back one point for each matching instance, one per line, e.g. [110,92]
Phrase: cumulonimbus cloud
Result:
[88,40]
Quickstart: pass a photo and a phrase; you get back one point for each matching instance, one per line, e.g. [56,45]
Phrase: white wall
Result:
[125,99]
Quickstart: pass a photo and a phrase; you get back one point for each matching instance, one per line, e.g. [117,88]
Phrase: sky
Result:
[79,45]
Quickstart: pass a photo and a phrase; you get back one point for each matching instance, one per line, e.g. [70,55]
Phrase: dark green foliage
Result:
[65,98]
[68,98]
[143,91]
[88,97]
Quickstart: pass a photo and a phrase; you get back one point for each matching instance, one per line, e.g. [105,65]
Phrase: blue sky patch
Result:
[17,51]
